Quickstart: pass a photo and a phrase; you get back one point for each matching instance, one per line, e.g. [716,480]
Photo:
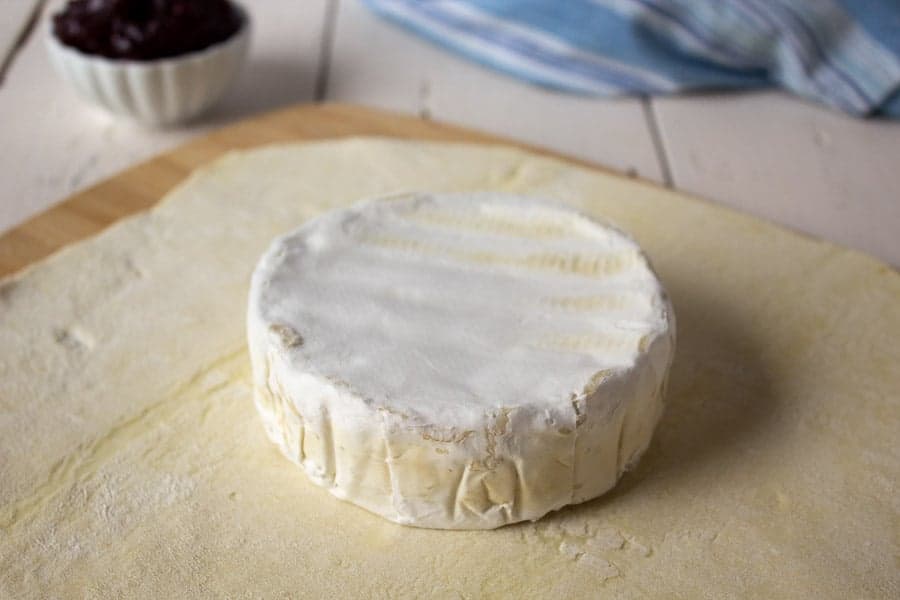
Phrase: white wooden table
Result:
[768,154]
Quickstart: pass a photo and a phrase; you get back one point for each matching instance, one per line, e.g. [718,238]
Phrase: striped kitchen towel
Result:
[843,53]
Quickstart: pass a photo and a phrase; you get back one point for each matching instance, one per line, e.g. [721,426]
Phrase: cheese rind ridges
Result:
[471,372]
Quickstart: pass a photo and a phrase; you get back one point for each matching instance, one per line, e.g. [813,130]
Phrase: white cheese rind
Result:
[459,361]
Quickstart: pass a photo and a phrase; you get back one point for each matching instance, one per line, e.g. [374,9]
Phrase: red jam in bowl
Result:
[145,29]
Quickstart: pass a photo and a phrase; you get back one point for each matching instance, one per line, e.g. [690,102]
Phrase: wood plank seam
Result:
[326,45]
[27,30]
[659,145]
[424,99]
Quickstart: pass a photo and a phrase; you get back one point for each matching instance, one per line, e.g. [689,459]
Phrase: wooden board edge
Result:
[140,187]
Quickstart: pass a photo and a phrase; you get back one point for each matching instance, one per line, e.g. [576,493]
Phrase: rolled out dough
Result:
[132,462]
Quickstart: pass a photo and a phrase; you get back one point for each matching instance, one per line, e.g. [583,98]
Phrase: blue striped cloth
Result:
[843,53]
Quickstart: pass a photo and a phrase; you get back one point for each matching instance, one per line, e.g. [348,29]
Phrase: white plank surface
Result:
[788,161]
[55,144]
[379,64]
[14,17]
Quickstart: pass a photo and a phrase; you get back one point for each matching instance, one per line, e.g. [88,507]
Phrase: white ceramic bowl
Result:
[155,92]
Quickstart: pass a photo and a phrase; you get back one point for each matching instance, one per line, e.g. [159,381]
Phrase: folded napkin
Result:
[843,53]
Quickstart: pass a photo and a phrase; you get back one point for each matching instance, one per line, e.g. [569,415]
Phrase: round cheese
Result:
[459,361]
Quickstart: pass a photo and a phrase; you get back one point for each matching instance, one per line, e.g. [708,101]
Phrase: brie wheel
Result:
[459,361]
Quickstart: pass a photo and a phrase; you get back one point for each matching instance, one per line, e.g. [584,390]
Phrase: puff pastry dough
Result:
[132,462]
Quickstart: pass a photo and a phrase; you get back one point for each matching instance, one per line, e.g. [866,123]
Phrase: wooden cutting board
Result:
[771,475]
[139,187]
